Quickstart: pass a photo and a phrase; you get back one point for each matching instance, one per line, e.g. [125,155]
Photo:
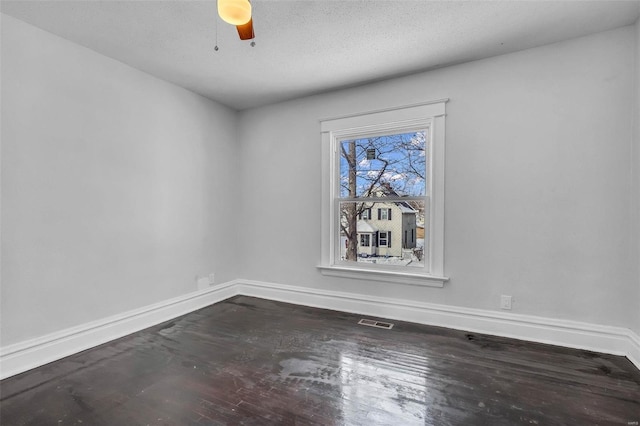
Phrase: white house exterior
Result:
[385,229]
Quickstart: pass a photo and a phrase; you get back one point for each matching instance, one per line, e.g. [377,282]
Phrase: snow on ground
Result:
[397,261]
[382,260]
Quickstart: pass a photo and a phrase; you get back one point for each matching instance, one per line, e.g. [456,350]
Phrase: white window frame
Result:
[429,116]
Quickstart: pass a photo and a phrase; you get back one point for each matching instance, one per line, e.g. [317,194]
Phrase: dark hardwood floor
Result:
[256,362]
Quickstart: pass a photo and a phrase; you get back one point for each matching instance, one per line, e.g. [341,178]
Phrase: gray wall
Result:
[116,186]
[537,181]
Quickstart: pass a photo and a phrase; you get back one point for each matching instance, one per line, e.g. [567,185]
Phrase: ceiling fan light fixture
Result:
[234,12]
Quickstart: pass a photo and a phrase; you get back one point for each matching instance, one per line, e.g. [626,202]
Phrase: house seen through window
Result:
[382,198]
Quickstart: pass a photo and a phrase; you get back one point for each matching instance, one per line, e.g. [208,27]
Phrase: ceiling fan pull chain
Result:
[216,48]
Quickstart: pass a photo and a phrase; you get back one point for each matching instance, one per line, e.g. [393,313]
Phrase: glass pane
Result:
[384,165]
[383,233]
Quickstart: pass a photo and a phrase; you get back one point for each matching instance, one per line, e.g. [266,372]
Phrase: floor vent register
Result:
[377,324]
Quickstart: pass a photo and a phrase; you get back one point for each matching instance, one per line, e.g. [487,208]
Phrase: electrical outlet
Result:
[212,278]
[505,302]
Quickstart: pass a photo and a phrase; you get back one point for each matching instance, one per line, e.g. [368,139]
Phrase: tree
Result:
[381,166]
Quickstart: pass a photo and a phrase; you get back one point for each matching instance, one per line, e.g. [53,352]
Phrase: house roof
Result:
[365,227]
[405,207]
[385,189]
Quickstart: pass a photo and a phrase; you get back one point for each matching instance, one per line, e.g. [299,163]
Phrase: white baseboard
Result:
[23,356]
[573,334]
[634,349]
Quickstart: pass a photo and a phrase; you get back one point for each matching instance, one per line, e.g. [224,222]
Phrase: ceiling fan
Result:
[238,13]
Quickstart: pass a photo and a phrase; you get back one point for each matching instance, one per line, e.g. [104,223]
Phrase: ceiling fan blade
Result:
[245,31]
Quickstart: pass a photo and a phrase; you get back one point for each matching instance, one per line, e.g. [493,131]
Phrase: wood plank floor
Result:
[257,362]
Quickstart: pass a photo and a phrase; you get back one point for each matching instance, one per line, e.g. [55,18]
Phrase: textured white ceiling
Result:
[305,47]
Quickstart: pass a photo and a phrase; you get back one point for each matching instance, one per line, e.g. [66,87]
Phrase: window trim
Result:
[429,115]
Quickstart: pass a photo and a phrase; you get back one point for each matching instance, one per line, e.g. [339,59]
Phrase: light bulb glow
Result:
[234,12]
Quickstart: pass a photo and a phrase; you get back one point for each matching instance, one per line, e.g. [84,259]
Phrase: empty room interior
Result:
[320,212]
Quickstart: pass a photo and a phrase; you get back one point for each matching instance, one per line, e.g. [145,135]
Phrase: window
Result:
[390,163]
[384,239]
[384,214]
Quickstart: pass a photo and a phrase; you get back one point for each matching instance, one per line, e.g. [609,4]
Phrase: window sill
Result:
[386,276]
